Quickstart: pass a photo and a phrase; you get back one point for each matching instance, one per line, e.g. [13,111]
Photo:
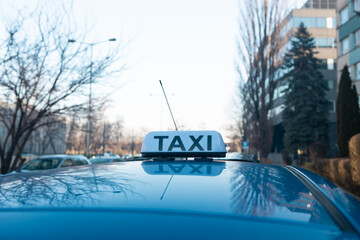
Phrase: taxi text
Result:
[177,142]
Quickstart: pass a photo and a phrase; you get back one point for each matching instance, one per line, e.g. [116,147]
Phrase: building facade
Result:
[47,139]
[319,17]
[348,37]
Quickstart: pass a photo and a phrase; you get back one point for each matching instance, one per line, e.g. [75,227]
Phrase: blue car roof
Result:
[223,193]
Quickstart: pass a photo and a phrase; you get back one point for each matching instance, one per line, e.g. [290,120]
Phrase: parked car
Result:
[107,154]
[139,157]
[108,159]
[238,156]
[53,161]
[165,198]
[128,157]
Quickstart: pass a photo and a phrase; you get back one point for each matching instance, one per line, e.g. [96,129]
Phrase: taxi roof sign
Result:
[183,144]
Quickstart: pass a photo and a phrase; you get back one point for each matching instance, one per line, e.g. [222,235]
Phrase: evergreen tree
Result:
[347,113]
[306,107]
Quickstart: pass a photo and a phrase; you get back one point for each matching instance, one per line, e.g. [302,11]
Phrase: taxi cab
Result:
[181,193]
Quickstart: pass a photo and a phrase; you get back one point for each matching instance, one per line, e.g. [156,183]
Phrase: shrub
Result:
[286,159]
[318,150]
[336,170]
[354,151]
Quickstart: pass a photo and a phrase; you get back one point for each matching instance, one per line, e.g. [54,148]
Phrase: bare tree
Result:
[42,76]
[79,187]
[52,137]
[73,143]
[234,137]
[258,43]
[116,134]
[112,135]
[107,135]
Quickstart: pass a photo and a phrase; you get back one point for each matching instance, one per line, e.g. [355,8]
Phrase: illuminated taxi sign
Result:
[183,144]
[184,168]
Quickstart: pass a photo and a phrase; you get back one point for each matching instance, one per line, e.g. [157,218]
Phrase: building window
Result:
[357,5]
[316,4]
[357,37]
[330,85]
[329,22]
[345,45]
[312,22]
[331,106]
[325,42]
[357,71]
[322,63]
[332,4]
[304,20]
[344,15]
[320,22]
[330,64]
[323,4]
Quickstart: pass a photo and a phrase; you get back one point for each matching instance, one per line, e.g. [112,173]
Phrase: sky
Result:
[190,45]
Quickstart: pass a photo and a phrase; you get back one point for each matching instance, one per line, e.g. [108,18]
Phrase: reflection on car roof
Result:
[212,198]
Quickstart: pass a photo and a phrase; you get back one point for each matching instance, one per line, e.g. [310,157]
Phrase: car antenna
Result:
[168,105]
[162,196]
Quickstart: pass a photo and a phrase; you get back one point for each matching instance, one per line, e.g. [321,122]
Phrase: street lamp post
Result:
[161,107]
[87,151]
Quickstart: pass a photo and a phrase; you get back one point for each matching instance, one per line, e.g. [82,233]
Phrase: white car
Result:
[53,161]
[107,159]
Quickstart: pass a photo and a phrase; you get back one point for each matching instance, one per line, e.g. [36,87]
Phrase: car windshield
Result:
[42,164]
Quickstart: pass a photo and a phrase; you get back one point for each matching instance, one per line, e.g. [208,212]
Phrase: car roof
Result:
[195,186]
[241,191]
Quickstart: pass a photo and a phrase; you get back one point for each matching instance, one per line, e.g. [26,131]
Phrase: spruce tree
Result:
[347,113]
[305,115]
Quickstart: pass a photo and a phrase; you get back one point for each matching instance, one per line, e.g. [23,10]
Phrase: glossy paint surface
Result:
[344,201]
[163,200]
[240,189]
